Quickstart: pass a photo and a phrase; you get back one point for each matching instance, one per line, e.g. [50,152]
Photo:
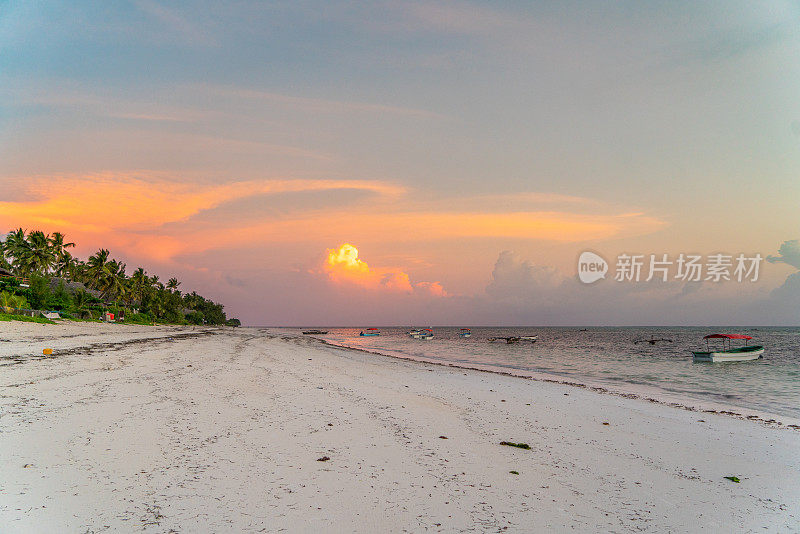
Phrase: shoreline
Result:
[254,429]
[766,419]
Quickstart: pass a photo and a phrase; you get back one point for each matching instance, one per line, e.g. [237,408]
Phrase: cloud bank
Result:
[343,265]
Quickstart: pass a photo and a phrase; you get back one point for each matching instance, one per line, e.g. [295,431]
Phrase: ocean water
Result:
[610,357]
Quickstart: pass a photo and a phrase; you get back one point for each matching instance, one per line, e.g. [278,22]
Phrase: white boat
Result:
[739,354]
[415,333]
[464,332]
[426,333]
[370,332]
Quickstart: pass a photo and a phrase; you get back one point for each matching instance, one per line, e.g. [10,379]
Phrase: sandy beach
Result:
[222,430]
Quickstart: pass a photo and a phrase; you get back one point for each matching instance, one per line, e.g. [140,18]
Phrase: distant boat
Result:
[426,333]
[739,354]
[652,341]
[370,332]
[311,332]
[514,339]
[415,333]
[464,332]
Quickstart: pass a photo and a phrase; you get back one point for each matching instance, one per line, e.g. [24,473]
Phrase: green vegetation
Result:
[41,274]
[733,479]
[517,445]
[24,318]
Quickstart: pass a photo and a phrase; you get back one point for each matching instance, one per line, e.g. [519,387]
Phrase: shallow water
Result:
[611,357]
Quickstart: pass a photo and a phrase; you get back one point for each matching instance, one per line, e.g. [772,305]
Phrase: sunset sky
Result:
[417,163]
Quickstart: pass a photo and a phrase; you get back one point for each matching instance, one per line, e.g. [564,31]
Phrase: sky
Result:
[397,163]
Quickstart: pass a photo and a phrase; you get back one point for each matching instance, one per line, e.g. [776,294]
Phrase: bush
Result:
[9,300]
[60,299]
[138,318]
[195,317]
[24,318]
[39,292]
[9,284]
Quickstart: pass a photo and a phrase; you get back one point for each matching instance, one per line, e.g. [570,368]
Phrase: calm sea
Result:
[611,357]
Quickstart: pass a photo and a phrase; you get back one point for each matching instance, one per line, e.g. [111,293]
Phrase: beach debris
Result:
[323,459]
[442,437]
[47,352]
[27,466]
[733,479]
[517,445]
[502,400]
[606,423]
[514,472]
[330,424]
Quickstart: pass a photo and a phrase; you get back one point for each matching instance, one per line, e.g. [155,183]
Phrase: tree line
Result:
[45,262]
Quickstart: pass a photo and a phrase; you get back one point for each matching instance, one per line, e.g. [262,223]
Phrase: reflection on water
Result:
[612,357]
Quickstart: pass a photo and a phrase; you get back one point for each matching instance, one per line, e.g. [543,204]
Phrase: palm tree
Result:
[139,283]
[4,263]
[64,266]
[39,256]
[106,275]
[115,285]
[14,247]
[63,263]
[155,283]
[97,268]
[172,284]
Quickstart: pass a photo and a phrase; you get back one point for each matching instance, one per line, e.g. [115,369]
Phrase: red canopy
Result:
[727,336]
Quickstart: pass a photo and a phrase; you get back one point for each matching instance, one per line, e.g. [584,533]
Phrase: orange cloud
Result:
[434,288]
[344,266]
[139,200]
[152,215]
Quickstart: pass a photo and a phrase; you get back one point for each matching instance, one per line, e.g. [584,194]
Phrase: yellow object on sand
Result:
[47,352]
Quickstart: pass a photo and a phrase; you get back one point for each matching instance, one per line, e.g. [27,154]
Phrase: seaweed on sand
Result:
[517,445]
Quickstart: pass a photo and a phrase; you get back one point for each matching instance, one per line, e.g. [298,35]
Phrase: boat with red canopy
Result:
[370,332]
[728,354]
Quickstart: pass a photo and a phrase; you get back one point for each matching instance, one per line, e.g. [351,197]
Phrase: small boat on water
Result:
[426,333]
[370,332]
[312,332]
[739,354]
[652,341]
[415,333]
[514,339]
[464,332]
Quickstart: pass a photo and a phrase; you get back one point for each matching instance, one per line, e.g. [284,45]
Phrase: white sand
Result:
[221,433]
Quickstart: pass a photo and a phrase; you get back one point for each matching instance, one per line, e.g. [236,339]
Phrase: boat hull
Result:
[736,355]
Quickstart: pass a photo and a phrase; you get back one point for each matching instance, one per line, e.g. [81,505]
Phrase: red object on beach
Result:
[727,336]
